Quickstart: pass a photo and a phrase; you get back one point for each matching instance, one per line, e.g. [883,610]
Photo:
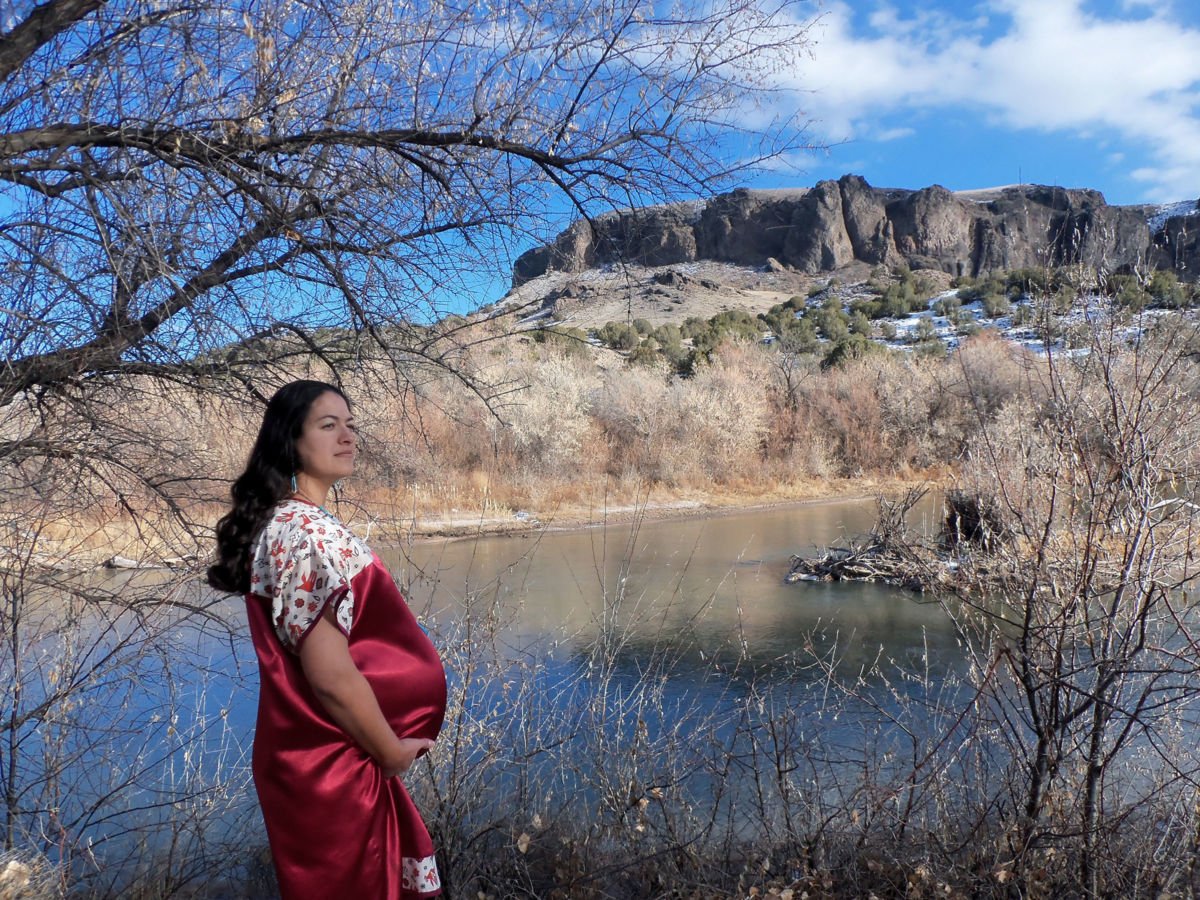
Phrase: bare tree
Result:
[181,177]
[1087,653]
[200,197]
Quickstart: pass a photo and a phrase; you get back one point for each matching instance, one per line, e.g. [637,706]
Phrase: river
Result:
[698,605]
[705,592]
[714,583]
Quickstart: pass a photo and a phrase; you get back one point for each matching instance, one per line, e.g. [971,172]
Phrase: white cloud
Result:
[1047,65]
[794,163]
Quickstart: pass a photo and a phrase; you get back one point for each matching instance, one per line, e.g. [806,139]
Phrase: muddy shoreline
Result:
[519,525]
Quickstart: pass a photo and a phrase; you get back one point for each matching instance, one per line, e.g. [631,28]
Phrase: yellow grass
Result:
[573,443]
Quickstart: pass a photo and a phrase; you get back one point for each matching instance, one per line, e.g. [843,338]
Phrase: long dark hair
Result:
[266,480]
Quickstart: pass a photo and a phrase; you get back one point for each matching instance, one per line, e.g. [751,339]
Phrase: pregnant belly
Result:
[411,689]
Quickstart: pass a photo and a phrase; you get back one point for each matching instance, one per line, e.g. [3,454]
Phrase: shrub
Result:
[669,340]
[646,353]
[704,342]
[692,326]
[618,336]
[844,406]
[965,324]
[736,323]
[924,331]
[829,320]
[1023,314]
[629,411]
[1031,282]
[564,340]
[723,409]
[1127,292]
[854,346]
[778,319]
[899,300]
[1064,298]
[1166,290]
[1077,477]
[667,335]
[872,309]
[860,324]
[985,374]
[800,338]
[548,422]
[971,290]
[949,307]
[932,348]
[996,304]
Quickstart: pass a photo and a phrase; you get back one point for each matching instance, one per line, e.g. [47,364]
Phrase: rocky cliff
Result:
[840,222]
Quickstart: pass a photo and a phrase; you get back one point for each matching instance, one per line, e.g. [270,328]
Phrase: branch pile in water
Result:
[890,554]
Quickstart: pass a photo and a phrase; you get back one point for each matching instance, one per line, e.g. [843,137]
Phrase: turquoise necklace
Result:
[299,495]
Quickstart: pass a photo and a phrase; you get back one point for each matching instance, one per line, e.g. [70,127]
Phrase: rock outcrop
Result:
[836,223]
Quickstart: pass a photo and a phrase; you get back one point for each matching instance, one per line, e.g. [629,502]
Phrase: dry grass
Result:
[562,438]
[24,877]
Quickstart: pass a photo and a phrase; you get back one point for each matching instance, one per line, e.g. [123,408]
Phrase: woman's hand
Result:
[407,752]
[347,697]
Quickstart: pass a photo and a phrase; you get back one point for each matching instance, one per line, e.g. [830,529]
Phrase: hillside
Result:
[755,249]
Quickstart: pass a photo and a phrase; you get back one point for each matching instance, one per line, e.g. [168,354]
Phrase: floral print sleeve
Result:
[304,560]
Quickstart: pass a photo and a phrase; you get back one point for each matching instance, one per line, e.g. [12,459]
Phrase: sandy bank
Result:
[572,517]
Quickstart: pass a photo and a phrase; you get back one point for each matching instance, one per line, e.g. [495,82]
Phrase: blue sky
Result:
[1075,93]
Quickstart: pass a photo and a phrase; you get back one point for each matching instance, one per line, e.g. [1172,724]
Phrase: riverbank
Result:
[655,506]
[390,521]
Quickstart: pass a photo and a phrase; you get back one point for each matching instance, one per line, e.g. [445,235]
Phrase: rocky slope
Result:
[846,222]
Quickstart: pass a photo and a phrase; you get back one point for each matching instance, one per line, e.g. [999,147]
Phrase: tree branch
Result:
[44,24]
[207,148]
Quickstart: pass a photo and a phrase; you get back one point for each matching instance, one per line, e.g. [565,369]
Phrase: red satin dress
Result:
[337,827]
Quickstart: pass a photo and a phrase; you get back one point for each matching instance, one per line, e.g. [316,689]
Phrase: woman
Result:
[351,689]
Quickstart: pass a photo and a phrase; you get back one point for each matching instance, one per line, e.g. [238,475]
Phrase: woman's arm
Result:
[349,700]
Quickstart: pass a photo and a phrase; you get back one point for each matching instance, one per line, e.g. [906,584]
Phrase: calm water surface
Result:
[707,593]
[697,589]
[715,584]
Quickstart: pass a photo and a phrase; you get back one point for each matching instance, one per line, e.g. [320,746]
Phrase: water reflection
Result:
[695,611]
[711,587]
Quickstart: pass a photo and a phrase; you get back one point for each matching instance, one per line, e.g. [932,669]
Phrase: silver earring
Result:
[294,488]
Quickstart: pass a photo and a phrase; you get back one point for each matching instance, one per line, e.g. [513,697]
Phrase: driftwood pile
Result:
[889,554]
[865,562]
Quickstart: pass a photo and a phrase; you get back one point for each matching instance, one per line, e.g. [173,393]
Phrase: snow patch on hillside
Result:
[1158,219]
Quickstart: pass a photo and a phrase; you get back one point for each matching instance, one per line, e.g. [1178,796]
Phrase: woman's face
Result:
[328,442]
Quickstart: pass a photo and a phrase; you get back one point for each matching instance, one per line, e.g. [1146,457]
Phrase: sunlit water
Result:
[700,588]
[707,592]
[714,583]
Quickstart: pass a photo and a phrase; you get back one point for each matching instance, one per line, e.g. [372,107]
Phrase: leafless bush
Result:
[24,877]
[722,409]
[117,765]
[1088,660]
[631,412]
[846,405]
[641,767]
[988,371]
[548,426]
[792,444]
